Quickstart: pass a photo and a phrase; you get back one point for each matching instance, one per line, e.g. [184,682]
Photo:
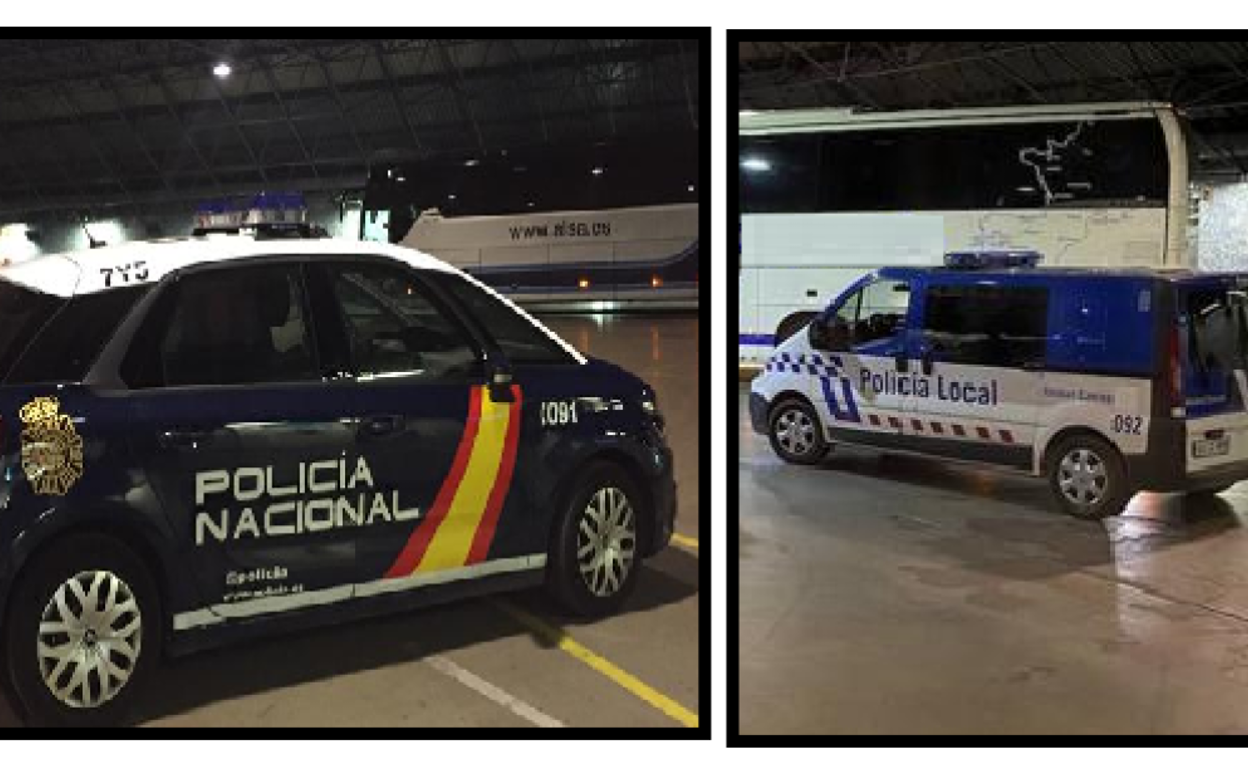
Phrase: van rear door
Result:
[1213,352]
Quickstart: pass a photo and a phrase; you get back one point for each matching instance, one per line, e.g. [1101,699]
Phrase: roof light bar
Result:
[986,260]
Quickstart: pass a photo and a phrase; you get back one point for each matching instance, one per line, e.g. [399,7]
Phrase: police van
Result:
[209,438]
[1103,381]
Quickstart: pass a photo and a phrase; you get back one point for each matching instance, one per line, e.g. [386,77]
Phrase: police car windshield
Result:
[521,341]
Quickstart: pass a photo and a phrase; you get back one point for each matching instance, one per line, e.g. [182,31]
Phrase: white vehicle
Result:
[1103,381]
[645,256]
[828,194]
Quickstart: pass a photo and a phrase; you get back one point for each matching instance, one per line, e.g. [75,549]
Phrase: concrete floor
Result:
[894,595]
[394,671]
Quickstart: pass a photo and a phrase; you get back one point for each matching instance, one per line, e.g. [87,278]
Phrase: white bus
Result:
[826,195]
[641,257]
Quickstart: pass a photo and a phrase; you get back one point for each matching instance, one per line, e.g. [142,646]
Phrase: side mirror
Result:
[828,334]
[817,333]
[500,382]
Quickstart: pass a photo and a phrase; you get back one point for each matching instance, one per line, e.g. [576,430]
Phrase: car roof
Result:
[94,270]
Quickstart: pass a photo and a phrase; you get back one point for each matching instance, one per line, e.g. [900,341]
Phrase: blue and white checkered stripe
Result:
[799,363]
[829,372]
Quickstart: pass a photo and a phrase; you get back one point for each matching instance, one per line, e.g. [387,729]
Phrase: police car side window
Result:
[226,327]
[395,329]
[985,325]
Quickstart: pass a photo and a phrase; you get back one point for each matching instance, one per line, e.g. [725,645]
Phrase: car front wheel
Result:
[595,550]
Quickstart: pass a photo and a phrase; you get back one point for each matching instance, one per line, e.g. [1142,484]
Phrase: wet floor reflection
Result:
[887,593]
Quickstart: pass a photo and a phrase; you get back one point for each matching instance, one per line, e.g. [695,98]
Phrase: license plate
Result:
[1211,447]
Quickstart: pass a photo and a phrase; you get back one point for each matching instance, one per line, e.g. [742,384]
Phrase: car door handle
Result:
[185,438]
[381,424]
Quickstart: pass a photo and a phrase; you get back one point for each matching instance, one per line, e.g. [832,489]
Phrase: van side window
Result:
[987,325]
[876,312]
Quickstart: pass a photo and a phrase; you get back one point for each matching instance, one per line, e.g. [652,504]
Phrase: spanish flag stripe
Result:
[417,544]
[502,482]
[453,539]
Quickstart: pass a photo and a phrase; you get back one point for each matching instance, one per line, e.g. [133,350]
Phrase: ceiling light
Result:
[472,162]
[597,170]
[222,70]
[400,179]
[690,188]
[451,196]
[755,164]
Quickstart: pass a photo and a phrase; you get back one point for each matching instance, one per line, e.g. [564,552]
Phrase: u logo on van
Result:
[829,378]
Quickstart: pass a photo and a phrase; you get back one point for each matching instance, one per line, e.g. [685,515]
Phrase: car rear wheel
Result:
[595,552]
[795,433]
[83,633]
[1087,477]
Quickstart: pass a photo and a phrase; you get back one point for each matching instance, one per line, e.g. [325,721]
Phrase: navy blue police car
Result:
[208,438]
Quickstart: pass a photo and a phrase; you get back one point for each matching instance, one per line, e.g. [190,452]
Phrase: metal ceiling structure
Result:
[1207,80]
[90,124]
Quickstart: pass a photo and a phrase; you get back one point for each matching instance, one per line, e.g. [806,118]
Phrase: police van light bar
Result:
[983,260]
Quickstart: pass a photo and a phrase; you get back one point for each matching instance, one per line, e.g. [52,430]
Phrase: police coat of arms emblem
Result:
[51,447]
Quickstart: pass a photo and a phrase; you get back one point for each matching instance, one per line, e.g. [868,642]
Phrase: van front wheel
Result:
[1087,477]
[795,433]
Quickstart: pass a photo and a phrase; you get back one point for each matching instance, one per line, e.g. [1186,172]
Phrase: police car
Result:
[1103,381]
[215,437]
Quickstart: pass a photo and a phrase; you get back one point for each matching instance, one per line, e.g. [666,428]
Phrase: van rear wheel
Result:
[1087,476]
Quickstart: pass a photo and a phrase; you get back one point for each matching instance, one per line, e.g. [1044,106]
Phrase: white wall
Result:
[1222,232]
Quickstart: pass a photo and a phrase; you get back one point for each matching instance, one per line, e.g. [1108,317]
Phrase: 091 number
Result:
[558,412]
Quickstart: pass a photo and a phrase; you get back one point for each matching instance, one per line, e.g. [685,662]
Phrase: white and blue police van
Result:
[1105,382]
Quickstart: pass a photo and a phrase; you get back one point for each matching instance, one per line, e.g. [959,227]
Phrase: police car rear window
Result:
[23,312]
[73,337]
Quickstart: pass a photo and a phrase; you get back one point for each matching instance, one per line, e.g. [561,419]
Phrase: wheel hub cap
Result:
[89,641]
[605,541]
[1082,477]
[795,432]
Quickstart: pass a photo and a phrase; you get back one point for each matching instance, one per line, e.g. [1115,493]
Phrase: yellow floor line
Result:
[563,641]
[685,541]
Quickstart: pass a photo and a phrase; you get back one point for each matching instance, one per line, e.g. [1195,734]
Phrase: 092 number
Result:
[1128,423]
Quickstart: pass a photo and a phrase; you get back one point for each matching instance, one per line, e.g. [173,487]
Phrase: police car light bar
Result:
[271,214]
[984,260]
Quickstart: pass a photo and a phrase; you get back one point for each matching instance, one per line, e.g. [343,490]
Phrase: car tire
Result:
[122,635]
[795,433]
[596,546]
[1088,477]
